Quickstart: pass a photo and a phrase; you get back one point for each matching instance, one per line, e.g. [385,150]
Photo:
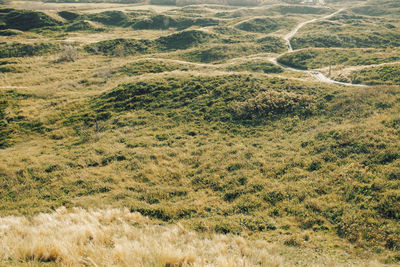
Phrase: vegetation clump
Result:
[313,58]
[121,47]
[175,41]
[264,25]
[256,66]
[24,50]
[25,20]
[347,30]
[297,9]
[271,103]
[9,32]
[184,39]
[113,18]
[82,26]
[219,53]
[68,15]
[150,66]
[389,74]
[272,44]
[204,96]
[161,21]
[378,8]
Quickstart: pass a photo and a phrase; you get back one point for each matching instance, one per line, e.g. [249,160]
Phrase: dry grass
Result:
[116,237]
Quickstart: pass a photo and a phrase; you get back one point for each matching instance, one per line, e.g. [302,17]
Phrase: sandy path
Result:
[317,75]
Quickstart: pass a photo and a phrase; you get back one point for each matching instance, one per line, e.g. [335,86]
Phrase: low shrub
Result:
[271,103]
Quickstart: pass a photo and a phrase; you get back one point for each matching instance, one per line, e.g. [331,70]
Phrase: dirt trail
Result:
[317,75]
[360,67]
[289,36]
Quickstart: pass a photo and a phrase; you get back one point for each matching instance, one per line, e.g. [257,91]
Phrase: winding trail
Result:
[290,35]
[317,75]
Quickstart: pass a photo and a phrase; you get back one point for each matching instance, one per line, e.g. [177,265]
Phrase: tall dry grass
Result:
[117,237]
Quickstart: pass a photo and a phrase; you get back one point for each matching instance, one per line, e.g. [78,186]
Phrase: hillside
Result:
[192,135]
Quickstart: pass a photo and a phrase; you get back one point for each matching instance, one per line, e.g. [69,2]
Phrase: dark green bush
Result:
[271,103]
[112,18]
[26,20]
[24,50]
[264,25]
[146,66]
[184,39]
[389,206]
[256,66]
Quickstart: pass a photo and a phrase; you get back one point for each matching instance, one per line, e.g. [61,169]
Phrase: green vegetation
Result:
[147,66]
[122,47]
[12,68]
[68,15]
[82,26]
[184,39]
[175,41]
[165,22]
[346,41]
[113,18]
[221,52]
[265,25]
[192,96]
[4,131]
[216,2]
[256,66]
[9,32]
[94,1]
[25,20]
[12,125]
[348,31]
[294,9]
[23,50]
[318,58]
[199,128]
[272,44]
[379,8]
[389,74]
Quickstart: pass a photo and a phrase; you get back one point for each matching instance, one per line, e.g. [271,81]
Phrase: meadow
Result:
[166,135]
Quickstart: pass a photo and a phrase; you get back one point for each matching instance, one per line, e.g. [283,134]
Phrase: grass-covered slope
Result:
[185,39]
[24,50]
[122,47]
[299,9]
[175,41]
[199,129]
[265,25]
[219,53]
[151,66]
[348,30]
[379,8]
[312,58]
[210,98]
[389,74]
[256,66]
[165,22]
[25,19]
[113,18]
[209,152]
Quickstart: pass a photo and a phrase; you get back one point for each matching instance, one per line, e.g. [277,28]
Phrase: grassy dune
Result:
[313,58]
[378,75]
[349,30]
[219,156]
